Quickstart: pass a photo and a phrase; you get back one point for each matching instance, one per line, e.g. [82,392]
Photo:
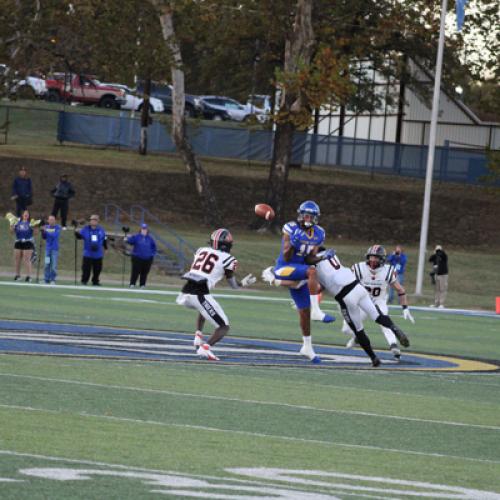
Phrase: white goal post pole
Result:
[424,228]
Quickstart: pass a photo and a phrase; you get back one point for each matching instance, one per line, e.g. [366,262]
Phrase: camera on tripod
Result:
[74,223]
[125,229]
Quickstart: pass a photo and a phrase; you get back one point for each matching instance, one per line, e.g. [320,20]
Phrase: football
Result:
[264,211]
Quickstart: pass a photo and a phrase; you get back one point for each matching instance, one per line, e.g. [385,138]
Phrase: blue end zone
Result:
[105,342]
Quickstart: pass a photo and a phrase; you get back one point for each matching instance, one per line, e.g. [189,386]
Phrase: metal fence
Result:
[44,126]
[451,164]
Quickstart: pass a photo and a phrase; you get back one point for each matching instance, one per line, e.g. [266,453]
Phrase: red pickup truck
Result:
[84,89]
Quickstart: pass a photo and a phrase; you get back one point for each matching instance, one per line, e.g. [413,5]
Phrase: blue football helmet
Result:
[308,208]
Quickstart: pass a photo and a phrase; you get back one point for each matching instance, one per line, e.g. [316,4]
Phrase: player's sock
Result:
[389,336]
[307,341]
[316,313]
[315,310]
[364,342]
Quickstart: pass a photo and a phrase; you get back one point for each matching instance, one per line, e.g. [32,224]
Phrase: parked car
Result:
[30,87]
[83,89]
[163,92]
[134,102]
[235,110]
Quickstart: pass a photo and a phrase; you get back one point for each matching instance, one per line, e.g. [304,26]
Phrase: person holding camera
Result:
[62,193]
[94,244]
[50,233]
[439,261]
[143,252]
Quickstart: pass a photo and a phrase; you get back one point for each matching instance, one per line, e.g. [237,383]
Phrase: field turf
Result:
[107,428]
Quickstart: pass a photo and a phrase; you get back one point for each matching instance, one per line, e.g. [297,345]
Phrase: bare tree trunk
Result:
[193,165]
[298,51]
[143,146]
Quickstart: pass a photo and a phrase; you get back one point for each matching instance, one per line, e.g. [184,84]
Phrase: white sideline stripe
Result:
[238,296]
[248,433]
[255,402]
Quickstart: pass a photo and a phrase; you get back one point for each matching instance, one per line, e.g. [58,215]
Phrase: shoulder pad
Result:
[290,227]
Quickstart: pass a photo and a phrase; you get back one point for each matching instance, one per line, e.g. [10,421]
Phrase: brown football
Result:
[265,211]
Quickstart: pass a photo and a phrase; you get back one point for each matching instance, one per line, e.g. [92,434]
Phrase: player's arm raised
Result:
[288,247]
[403,300]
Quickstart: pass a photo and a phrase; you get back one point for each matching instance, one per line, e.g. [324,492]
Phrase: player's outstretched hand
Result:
[328,254]
[297,237]
[407,315]
[248,280]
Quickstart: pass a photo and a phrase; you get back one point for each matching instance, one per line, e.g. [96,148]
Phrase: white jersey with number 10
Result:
[333,275]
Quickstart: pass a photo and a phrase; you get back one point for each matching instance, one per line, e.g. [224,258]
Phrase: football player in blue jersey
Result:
[294,269]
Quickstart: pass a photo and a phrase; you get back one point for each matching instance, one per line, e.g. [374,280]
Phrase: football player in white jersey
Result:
[354,301]
[210,265]
[377,276]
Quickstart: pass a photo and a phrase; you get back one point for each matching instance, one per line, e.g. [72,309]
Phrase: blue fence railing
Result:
[451,164]
[174,252]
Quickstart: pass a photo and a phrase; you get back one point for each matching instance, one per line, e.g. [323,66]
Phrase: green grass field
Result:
[95,428]
[89,427]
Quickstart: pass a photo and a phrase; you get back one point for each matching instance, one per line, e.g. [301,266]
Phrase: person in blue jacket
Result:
[94,244]
[143,252]
[397,259]
[22,191]
[50,233]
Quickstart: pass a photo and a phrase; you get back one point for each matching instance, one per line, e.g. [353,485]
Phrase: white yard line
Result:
[237,296]
[249,434]
[254,402]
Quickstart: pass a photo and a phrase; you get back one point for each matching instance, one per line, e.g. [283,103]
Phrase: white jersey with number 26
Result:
[211,265]
[333,275]
[376,281]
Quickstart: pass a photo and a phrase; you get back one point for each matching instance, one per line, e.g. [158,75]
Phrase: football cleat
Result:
[401,336]
[309,353]
[376,362]
[268,275]
[325,318]
[351,343]
[395,351]
[198,339]
[205,353]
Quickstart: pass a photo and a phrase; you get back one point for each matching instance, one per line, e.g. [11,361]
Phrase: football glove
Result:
[248,280]
[328,254]
[297,238]
[407,314]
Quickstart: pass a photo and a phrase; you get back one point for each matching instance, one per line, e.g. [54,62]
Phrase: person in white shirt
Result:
[378,277]
[354,301]
[210,265]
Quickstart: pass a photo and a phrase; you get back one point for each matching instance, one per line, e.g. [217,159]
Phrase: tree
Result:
[197,172]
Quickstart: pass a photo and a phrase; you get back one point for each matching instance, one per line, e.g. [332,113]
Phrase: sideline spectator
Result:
[50,233]
[62,193]
[143,252]
[94,243]
[22,191]
[397,259]
[439,261]
[24,245]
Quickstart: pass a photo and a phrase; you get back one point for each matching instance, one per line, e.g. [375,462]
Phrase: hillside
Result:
[354,206]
